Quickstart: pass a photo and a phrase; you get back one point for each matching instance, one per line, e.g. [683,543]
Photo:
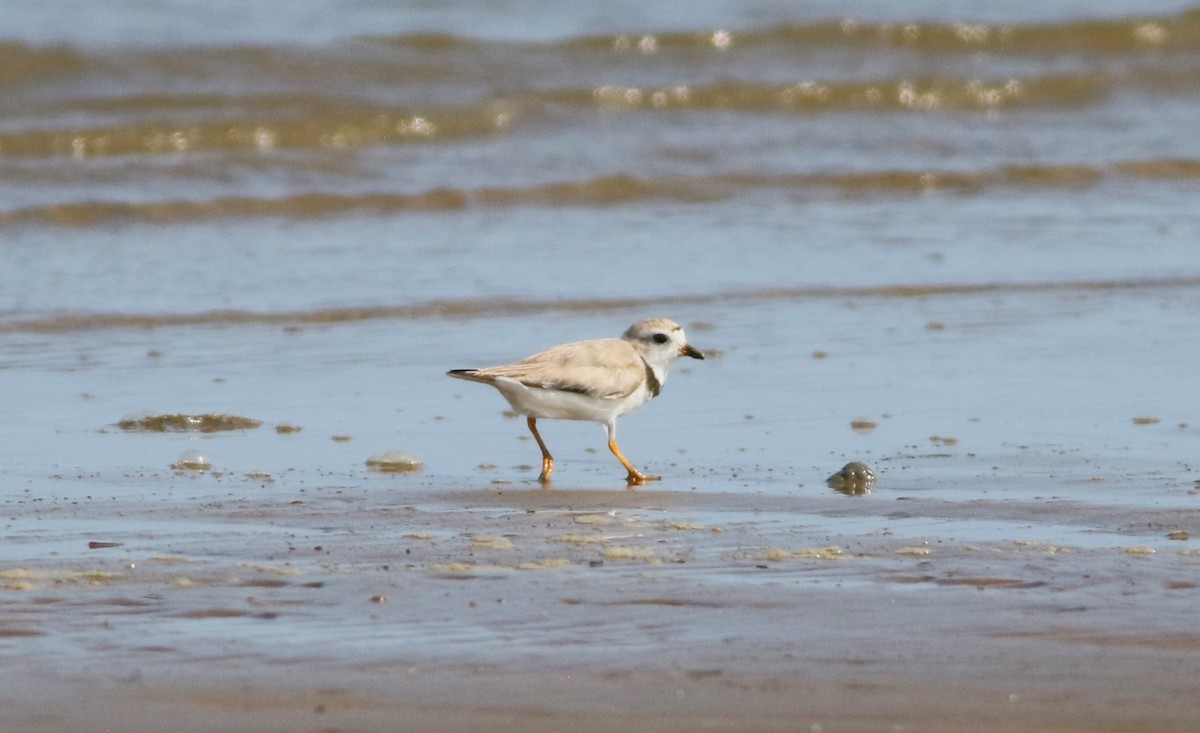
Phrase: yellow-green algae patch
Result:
[679,525]
[578,539]
[807,553]
[630,553]
[30,579]
[593,519]
[452,567]
[549,563]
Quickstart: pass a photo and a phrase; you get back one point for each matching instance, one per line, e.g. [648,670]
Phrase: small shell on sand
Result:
[854,479]
[192,460]
[394,461]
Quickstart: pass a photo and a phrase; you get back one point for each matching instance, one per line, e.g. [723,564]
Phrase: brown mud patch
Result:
[180,423]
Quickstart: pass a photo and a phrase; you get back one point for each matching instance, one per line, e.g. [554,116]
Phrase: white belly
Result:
[555,404]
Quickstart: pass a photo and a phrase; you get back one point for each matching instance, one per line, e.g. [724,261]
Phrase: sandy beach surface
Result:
[241,243]
[529,609]
[997,576]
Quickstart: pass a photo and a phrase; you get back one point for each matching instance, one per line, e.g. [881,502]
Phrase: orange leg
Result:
[635,477]
[547,459]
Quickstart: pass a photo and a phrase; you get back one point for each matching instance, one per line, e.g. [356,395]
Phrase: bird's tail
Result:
[471,375]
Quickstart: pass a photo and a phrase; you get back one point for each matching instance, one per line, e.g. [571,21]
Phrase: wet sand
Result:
[1024,561]
[519,608]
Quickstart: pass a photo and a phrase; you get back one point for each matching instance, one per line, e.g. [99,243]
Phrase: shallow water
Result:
[955,244]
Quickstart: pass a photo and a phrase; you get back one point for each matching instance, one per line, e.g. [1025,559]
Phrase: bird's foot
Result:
[547,469]
[637,479]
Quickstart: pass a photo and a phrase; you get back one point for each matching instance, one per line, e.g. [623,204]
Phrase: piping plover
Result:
[597,380]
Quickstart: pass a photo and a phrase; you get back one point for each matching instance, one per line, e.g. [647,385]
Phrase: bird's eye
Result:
[661,338]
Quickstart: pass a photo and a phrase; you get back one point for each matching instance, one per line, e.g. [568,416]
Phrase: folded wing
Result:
[603,368]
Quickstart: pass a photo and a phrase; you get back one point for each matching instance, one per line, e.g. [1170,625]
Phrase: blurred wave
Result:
[79,123]
[604,191]
[493,307]
[171,124]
